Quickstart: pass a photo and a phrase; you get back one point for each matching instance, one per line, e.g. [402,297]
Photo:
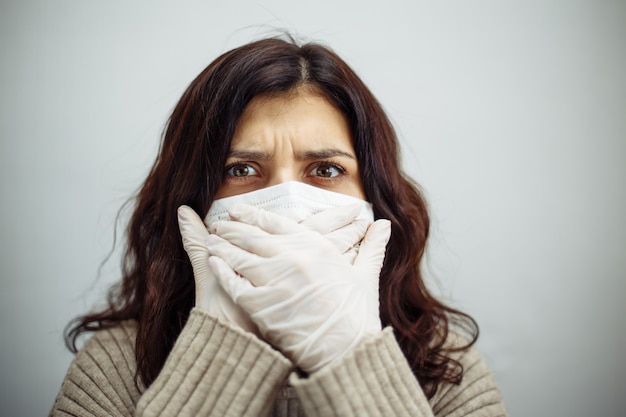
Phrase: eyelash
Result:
[235,164]
[325,163]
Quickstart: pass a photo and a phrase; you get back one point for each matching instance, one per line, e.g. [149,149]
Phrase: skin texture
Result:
[295,137]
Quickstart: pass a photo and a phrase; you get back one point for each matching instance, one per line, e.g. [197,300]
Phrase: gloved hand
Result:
[307,299]
[210,295]
[335,223]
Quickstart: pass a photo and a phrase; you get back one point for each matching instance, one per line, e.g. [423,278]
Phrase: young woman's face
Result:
[298,137]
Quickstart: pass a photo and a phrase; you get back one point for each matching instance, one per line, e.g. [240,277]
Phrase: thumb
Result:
[194,235]
[192,230]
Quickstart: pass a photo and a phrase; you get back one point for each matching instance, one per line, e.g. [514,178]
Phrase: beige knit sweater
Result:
[215,369]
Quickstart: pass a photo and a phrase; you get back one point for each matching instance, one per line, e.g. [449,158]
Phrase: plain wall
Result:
[512,116]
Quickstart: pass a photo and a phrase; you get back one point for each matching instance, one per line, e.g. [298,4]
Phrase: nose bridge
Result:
[282,173]
[283,166]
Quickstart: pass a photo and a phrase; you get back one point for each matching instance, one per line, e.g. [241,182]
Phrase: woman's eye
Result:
[240,170]
[326,171]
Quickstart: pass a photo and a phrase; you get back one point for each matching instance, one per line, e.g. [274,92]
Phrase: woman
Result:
[277,313]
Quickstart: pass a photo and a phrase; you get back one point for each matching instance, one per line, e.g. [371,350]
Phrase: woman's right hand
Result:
[210,296]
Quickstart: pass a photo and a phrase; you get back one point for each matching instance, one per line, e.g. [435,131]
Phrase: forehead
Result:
[302,118]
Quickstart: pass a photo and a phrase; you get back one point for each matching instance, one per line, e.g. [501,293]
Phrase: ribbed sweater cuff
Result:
[215,369]
[373,380]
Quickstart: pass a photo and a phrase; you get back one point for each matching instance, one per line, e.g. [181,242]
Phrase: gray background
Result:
[512,115]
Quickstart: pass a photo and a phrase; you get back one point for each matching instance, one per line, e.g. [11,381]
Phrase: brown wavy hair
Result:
[157,289]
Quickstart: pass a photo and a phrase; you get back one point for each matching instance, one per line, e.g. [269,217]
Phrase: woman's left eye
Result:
[326,171]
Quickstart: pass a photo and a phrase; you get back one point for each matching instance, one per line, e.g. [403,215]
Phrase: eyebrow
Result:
[323,154]
[303,156]
[252,155]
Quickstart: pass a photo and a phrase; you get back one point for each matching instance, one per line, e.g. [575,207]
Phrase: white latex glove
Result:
[210,295]
[307,299]
[336,224]
[331,223]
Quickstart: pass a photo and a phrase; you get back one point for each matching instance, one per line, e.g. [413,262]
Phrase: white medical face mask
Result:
[293,199]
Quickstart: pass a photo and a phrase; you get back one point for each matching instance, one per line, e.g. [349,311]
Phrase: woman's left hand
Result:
[307,299]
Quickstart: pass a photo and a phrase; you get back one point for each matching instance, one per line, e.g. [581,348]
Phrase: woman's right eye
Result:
[240,170]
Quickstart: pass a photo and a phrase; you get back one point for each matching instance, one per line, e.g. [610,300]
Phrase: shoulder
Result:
[101,378]
[462,350]
[119,338]
[477,389]
[110,349]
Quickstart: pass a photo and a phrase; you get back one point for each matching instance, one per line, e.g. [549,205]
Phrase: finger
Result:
[239,260]
[234,286]
[372,249]
[333,218]
[348,236]
[245,236]
[265,220]
[351,254]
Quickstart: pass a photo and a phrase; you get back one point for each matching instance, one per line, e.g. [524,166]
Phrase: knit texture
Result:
[216,369]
